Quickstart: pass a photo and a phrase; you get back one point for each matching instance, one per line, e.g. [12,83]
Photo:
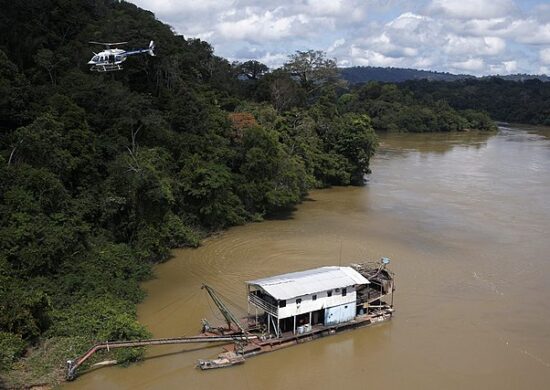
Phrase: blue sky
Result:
[460,36]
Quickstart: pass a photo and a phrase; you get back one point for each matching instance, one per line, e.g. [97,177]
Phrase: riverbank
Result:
[451,213]
[32,369]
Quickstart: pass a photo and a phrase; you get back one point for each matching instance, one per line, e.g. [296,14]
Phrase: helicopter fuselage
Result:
[108,58]
[112,59]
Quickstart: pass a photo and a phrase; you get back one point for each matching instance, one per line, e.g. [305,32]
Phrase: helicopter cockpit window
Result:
[118,58]
[95,58]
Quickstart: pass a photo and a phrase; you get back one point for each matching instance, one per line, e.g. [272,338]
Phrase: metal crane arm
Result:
[229,317]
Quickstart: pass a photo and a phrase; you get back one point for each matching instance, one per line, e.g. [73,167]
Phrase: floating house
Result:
[287,309]
[297,301]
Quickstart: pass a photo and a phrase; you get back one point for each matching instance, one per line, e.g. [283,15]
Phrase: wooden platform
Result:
[239,351]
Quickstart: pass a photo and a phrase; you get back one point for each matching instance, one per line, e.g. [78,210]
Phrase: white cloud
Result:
[470,65]
[537,35]
[479,36]
[273,60]
[544,55]
[542,13]
[504,67]
[472,9]
[163,7]
[510,66]
[483,27]
[524,30]
[325,7]
[259,27]
[423,63]
[337,43]
[460,45]
[366,57]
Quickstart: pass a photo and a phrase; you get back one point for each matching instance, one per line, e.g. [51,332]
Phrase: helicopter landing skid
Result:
[106,68]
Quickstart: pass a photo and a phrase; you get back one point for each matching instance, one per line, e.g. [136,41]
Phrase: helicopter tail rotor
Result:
[151,48]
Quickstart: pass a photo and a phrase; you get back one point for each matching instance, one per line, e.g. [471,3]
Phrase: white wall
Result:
[323,301]
[339,314]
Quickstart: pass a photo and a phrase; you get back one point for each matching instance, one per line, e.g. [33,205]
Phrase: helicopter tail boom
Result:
[149,50]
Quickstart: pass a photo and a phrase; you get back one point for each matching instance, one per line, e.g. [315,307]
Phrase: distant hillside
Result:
[521,77]
[363,74]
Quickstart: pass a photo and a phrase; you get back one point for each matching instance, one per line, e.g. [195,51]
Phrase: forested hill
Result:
[525,101]
[101,174]
[364,74]
[513,98]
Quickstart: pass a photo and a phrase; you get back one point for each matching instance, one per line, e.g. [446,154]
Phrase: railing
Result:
[260,303]
[370,294]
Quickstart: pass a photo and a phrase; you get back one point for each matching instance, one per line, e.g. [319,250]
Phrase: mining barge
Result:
[286,310]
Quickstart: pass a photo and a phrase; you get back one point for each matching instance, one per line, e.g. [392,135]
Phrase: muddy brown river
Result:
[465,219]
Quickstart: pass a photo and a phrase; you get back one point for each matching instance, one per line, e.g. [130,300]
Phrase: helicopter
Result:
[111,58]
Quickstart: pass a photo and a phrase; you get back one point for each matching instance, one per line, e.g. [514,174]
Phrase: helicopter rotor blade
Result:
[108,44]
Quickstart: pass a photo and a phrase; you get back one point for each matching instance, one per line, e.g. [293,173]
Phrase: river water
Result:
[465,219]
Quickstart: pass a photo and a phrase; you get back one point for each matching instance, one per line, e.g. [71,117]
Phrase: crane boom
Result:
[229,317]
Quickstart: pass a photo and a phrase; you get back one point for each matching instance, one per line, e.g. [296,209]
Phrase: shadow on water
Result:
[282,215]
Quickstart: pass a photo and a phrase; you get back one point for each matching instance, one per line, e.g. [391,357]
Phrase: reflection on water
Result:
[430,142]
[465,218]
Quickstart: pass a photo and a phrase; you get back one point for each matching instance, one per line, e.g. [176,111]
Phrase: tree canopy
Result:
[102,174]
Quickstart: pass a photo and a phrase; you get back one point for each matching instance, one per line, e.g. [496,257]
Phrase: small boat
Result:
[224,360]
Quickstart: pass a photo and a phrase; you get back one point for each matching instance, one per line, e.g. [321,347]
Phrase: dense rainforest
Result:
[102,173]
[365,74]
[526,101]
[514,98]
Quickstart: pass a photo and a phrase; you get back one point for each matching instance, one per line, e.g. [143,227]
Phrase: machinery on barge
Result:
[286,310]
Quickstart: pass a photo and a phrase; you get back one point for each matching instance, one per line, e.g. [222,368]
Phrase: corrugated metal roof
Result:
[296,284]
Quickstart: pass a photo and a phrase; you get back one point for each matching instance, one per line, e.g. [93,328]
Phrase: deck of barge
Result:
[259,345]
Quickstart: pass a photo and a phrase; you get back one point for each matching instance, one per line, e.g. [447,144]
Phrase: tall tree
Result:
[252,69]
[313,69]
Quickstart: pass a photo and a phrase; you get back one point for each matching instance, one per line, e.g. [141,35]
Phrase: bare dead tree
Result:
[133,165]
[13,151]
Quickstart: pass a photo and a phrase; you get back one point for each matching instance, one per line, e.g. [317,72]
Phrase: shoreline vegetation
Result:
[101,175]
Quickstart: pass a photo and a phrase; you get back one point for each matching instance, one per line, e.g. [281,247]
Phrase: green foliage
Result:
[252,69]
[313,69]
[512,101]
[12,346]
[23,312]
[394,108]
[44,363]
[102,174]
[356,140]
[208,191]
[103,318]
[108,269]
[15,95]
